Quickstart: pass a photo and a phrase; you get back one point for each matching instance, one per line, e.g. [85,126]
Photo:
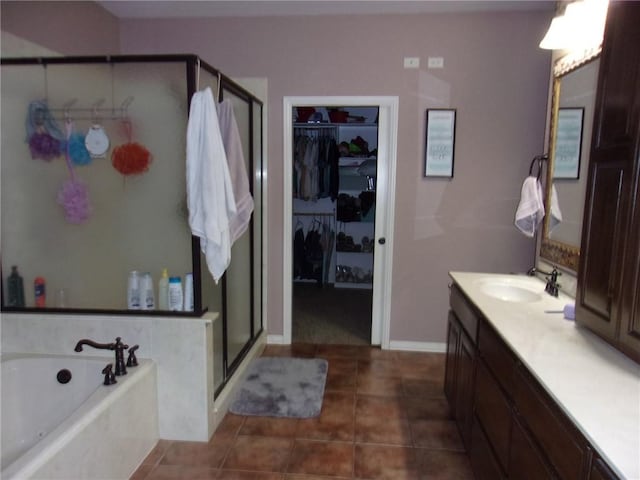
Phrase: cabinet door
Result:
[600,471]
[465,385]
[483,461]
[564,447]
[493,412]
[453,338]
[630,318]
[526,462]
[608,273]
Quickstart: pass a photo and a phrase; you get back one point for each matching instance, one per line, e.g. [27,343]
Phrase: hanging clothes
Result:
[315,164]
[237,170]
[209,192]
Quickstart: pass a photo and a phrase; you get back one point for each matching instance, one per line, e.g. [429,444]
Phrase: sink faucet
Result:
[552,279]
[118,346]
[552,283]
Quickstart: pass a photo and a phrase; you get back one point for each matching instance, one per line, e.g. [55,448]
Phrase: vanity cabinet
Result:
[460,362]
[608,292]
[510,425]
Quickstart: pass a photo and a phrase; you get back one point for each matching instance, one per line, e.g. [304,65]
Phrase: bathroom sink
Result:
[508,289]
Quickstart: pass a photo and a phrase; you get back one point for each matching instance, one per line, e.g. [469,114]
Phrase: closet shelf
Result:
[365,286]
[353,161]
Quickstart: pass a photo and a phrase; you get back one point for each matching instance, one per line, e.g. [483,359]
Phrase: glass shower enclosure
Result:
[80,220]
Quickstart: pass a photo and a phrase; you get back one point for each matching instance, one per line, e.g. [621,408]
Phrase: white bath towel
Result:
[530,211]
[237,170]
[556,214]
[209,193]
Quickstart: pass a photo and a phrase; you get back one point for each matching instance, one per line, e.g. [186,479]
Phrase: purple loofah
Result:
[44,146]
[74,197]
[77,150]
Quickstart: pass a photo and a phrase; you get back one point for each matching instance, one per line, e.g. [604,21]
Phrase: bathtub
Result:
[81,429]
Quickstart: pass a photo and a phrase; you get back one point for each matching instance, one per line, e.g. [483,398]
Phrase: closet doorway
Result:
[339,197]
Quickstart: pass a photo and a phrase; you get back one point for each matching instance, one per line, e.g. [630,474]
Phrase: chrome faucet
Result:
[118,346]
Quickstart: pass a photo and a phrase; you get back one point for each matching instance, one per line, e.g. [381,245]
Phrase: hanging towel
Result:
[209,192]
[530,210]
[556,214]
[237,170]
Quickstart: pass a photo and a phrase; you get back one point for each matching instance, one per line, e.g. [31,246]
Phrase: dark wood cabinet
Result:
[526,460]
[510,425]
[608,292]
[460,364]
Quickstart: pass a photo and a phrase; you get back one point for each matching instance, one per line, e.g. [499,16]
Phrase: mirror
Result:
[573,103]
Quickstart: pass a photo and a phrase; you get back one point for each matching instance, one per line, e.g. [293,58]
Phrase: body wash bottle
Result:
[163,291]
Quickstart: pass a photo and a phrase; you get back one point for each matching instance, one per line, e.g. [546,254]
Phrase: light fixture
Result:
[580,27]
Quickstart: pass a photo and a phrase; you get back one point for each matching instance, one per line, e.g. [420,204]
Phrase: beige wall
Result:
[494,74]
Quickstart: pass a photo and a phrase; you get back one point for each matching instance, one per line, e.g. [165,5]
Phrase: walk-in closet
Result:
[334,200]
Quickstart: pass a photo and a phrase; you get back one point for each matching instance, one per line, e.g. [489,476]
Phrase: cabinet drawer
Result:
[494,413]
[465,312]
[526,462]
[563,445]
[483,462]
[497,356]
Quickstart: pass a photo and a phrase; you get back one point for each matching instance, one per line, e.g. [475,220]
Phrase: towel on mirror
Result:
[530,211]
[237,170]
[556,214]
[209,193]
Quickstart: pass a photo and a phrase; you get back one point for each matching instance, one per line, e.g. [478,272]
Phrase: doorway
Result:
[347,282]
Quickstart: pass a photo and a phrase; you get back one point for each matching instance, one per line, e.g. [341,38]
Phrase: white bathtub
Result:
[78,430]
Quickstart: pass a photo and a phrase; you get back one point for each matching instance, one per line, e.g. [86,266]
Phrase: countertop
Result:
[596,385]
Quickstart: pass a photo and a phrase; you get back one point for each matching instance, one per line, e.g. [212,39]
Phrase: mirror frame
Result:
[553,251]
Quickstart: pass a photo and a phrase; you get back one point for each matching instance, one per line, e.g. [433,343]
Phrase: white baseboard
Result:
[275,339]
[431,347]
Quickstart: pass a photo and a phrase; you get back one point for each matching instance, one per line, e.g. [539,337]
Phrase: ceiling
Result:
[259,8]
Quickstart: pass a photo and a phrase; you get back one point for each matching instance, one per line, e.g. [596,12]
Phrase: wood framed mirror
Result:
[575,80]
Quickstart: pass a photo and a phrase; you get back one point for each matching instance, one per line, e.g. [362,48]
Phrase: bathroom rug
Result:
[282,387]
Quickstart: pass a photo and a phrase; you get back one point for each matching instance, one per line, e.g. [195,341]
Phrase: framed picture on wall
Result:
[568,143]
[440,138]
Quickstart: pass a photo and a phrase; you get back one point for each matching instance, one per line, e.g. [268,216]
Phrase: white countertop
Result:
[596,386]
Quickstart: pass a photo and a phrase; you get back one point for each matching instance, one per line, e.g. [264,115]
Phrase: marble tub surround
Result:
[595,385]
[182,349]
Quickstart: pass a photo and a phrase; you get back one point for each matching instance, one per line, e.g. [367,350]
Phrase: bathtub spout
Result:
[91,343]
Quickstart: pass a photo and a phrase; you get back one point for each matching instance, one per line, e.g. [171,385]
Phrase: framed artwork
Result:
[568,143]
[440,137]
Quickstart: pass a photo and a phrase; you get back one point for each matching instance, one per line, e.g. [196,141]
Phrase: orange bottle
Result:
[40,292]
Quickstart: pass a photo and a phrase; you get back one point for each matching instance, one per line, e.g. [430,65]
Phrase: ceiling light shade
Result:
[581,26]
[557,36]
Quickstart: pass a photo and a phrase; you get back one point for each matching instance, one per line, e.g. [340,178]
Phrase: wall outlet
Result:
[411,62]
[435,62]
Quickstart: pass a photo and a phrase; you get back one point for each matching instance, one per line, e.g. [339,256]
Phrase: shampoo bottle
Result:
[148,298]
[163,291]
[16,289]
[188,292]
[175,294]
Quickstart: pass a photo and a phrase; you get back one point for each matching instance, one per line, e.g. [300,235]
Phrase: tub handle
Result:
[132,361]
[109,376]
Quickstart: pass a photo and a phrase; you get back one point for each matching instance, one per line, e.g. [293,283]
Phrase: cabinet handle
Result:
[382,240]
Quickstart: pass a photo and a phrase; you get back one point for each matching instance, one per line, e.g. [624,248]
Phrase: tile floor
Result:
[384,416]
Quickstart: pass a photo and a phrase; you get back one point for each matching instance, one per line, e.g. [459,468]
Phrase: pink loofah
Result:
[74,197]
